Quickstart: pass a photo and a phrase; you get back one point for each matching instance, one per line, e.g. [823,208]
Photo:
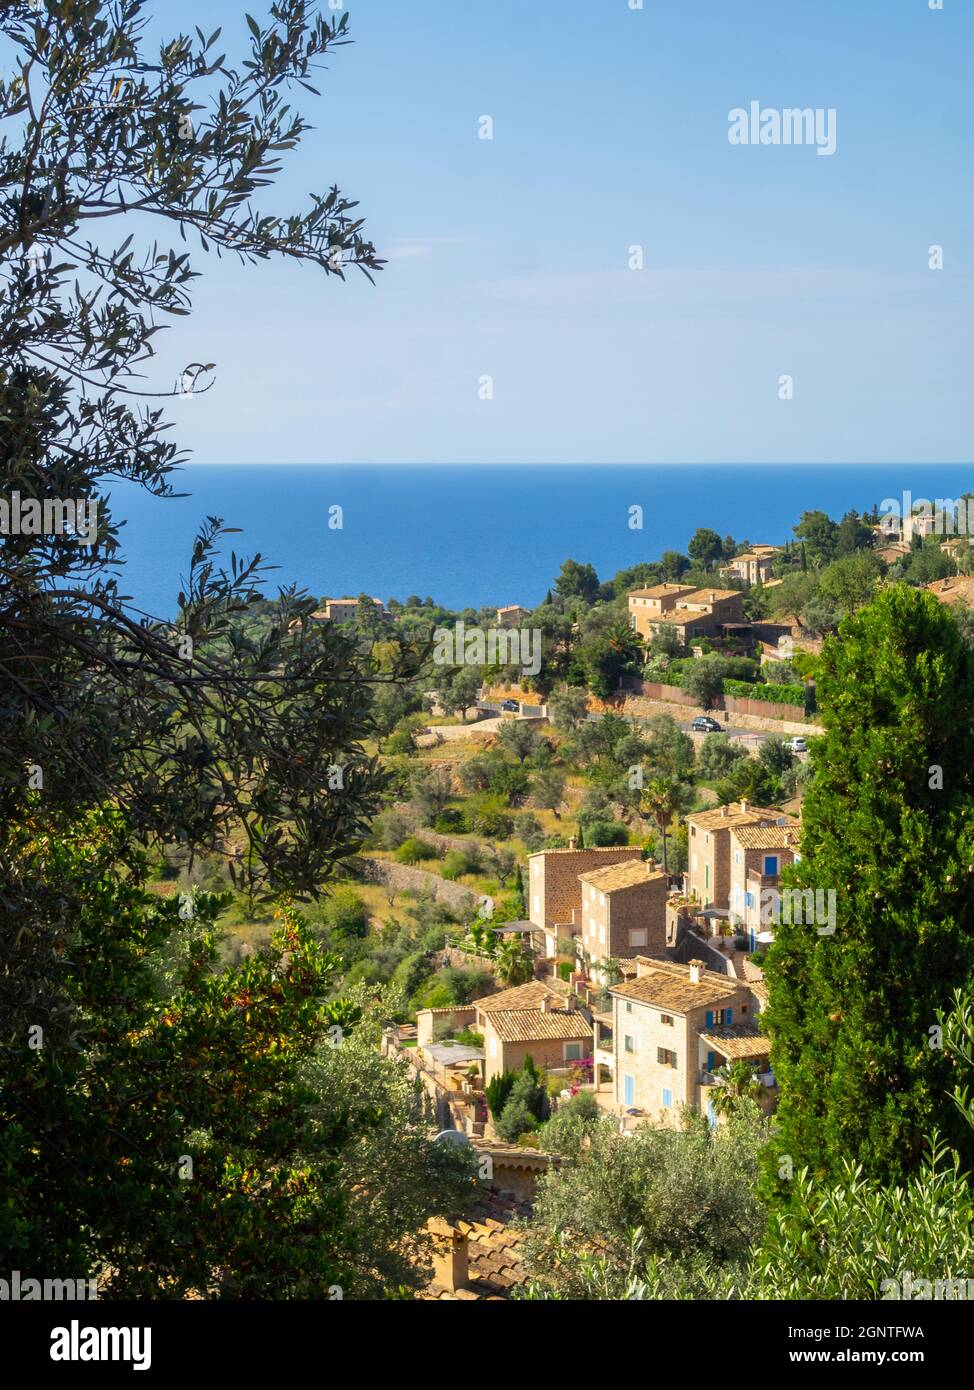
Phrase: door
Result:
[629,1090]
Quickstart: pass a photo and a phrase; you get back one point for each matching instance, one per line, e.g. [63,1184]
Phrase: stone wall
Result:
[405,878]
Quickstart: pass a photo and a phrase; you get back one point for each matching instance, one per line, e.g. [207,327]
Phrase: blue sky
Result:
[509,257]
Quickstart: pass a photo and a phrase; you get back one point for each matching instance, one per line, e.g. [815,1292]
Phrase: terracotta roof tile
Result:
[629,874]
[668,986]
[531,1025]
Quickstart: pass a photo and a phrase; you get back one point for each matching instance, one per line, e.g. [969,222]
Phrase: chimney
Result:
[713,597]
[695,968]
[450,1256]
[743,807]
[545,1005]
[573,843]
[650,866]
[724,812]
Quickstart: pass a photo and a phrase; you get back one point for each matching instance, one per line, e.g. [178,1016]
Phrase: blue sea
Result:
[478,534]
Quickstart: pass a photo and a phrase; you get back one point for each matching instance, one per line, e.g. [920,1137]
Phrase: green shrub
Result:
[345,913]
[772,694]
[455,863]
[414,849]
[564,969]
[451,822]
[497,1091]
[602,832]
[515,1119]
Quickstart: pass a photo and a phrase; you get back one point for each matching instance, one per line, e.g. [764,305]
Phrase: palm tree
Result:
[663,800]
[736,1082]
[515,965]
[481,939]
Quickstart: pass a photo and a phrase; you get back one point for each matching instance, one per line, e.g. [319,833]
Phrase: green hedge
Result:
[771,694]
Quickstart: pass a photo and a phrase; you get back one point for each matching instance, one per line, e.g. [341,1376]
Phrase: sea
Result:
[478,534]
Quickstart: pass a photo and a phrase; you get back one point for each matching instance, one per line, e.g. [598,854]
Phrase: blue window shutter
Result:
[710,1018]
[667,1099]
[711,1061]
[730,1016]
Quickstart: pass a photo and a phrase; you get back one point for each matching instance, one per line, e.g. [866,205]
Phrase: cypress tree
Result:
[888,827]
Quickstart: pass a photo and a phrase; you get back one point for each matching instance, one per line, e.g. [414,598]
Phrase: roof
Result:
[453,1054]
[513,608]
[749,555]
[681,616]
[765,836]
[531,1025]
[668,986]
[736,1042]
[631,873]
[527,996]
[662,591]
[734,814]
[959,588]
[710,595]
[593,849]
[493,1251]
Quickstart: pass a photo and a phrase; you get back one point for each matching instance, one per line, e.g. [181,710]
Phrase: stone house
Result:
[690,611]
[554,889]
[623,911]
[709,861]
[673,1027]
[758,853]
[532,1020]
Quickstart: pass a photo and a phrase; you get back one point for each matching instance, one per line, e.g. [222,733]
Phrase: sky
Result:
[509,258]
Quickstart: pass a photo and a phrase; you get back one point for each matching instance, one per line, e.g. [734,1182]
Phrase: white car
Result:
[797,745]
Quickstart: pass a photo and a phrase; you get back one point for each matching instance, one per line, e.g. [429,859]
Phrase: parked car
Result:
[797,745]
[703,724]
[510,706]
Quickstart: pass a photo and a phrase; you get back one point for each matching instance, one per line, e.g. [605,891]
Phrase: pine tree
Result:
[889,828]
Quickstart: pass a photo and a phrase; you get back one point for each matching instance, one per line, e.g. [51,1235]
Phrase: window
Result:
[637,937]
[602,935]
[748,899]
[665,1057]
[667,1098]
[628,1043]
[573,1052]
[628,1007]
[771,865]
[493,1046]
[666,1018]
[706,875]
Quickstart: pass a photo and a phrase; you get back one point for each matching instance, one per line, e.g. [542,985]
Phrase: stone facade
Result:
[659,1048]
[623,919]
[554,892]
